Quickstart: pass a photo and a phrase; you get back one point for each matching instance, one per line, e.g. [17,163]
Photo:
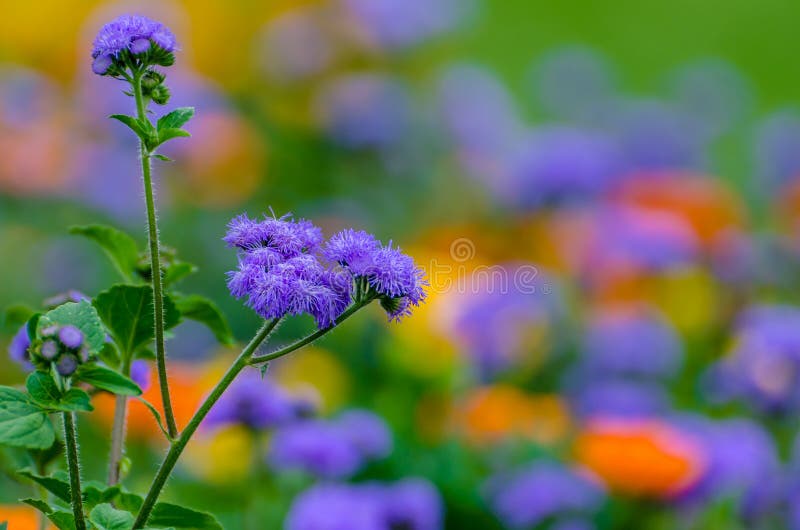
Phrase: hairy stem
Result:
[118,433]
[71,443]
[179,444]
[155,266]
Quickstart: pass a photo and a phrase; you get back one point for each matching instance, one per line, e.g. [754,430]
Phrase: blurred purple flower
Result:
[573,524]
[743,463]
[764,367]
[543,490]
[334,448]
[295,46]
[618,398]
[18,348]
[365,111]
[399,24]
[634,344]
[554,165]
[254,402]
[777,150]
[140,373]
[410,504]
[495,323]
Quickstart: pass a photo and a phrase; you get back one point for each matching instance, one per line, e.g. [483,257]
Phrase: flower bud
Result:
[67,365]
[49,349]
[71,337]
[160,95]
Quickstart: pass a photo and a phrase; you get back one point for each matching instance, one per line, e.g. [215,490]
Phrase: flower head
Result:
[70,336]
[132,36]
[18,348]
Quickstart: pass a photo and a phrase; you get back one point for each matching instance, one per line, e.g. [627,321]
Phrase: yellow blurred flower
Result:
[317,371]
[222,456]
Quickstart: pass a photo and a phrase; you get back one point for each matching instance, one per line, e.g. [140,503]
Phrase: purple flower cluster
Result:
[332,449]
[410,504]
[281,271]
[257,403]
[541,492]
[62,346]
[133,33]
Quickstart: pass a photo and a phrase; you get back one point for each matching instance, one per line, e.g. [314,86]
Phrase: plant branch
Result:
[155,266]
[179,444]
[71,443]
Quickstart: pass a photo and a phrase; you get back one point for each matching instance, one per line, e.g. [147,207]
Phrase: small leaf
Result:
[62,520]
[127,312]
[39,505]
[129,502]
[95,493]
[110,355]
[4,525]
[205,311]
[177,271]
[107,379]
[168,134]
[23,423]
[81,315]
[175,119]
[133,123]
[75,400]
[53,484]
[166,514]
[118,246]
[31,325]
[106,517]
[156,415]
[161,157]
[43,389]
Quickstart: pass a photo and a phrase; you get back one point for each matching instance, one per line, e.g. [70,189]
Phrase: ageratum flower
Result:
[132,36]
[391,275]
[18,348]
[335,448]
[410,504]
[542,491]
[279,273]
[61,346]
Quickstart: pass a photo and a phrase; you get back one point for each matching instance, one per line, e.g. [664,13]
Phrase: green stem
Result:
[314,336]
[118,433]
[155,266]
[179,444]
[71,442]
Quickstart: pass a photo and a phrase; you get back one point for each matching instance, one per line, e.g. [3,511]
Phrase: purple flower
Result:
[133,33]
[573,524]
[619,398]
[764,367]
[367,432]
[71,337]
[66,365]
[255,402]
[316,447]
[743,464]
[18,348]
[334,507]
[335,448]
[631,344]
[777,150]
[140,373]
[49,349]
[295,46]
[543,490]
[410,504]
[352,249]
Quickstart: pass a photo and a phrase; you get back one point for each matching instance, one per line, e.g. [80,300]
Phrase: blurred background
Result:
[605,196]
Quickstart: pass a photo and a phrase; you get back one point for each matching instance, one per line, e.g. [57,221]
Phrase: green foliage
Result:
[106,517]
[118,246]
[175,119]
[54,484]
[177,270]
[166,514]
[23,423]
[107,379]
[142,128]
[46,393]
[165,135]
[83,316]
[205,311]
[127,312]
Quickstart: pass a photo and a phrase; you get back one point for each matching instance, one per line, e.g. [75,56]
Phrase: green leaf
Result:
[106,517]
[23,423]
[178,270]
[75,400]
[161,157]
[107,379]
[118,246]
[43,389]
[165,135]
[133,123]
[81,315]
[62,520]
[175,119]
[205,311]
[39,504]
[110,355]
[95,493]
[53,484]
[31,325]
[156,415]
[129,502]
[127,312]
[166,514]
[4,525]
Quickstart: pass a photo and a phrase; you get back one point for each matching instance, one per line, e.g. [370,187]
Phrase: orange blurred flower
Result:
[20,517]
[640,457]
[494,413]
